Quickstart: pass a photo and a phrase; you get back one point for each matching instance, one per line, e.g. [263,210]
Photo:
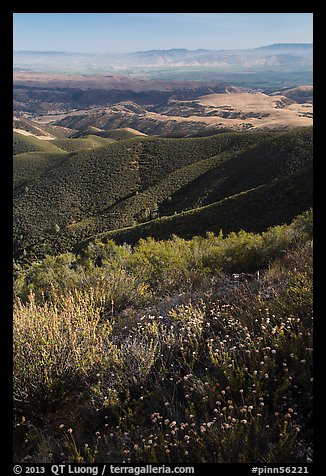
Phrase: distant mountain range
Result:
[283,56]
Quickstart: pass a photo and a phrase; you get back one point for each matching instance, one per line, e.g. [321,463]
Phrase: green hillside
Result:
[122,134]
[130,182]
[22,143]
[252,210]
[31,165]
[163,299]
[41,129]
[115,134]
[87,142]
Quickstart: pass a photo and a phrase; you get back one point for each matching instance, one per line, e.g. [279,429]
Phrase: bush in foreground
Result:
[218,372]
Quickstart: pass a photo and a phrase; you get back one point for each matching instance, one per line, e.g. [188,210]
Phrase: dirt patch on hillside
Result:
[26,133]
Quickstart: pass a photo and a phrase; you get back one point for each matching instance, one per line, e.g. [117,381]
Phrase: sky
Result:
[127,32]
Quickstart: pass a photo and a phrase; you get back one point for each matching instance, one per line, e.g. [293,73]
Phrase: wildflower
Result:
[61,426]
[244,422]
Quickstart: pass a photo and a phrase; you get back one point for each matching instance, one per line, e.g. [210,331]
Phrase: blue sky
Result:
[124,32]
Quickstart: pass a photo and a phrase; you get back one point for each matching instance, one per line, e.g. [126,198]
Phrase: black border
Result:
[6,271]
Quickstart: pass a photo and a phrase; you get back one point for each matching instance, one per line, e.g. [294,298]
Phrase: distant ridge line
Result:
[274,45]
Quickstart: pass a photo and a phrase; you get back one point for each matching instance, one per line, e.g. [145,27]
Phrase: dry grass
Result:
[41,137]
[58,346]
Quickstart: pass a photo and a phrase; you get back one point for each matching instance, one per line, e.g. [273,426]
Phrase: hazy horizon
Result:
[117,33]
[156,49]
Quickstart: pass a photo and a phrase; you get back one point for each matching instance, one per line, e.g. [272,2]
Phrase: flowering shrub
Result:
[219,371]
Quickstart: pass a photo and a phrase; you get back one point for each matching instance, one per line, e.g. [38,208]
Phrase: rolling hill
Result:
[243,211]
[27,166]
[228,181]
[86,142]
[227,110]
[27,143]
[114,134]
[42,131]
